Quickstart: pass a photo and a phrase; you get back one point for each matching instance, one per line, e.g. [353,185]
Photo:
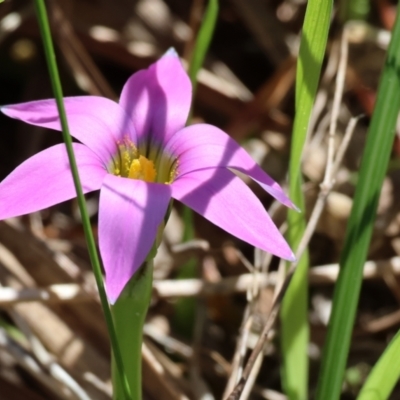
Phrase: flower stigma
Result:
[156,167]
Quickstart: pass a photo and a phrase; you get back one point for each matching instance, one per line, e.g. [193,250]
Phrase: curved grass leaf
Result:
[295,331]
[203,40]
[359,229]
[384,375]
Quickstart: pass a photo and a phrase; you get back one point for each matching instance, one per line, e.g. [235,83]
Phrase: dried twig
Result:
[86,72]
[326,187]
[68,292]
[320,275]
[26,361]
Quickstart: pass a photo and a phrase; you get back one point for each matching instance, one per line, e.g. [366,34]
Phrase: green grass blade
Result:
[294,328]
[384,375]
[94,257]
[203,41]
[359,229]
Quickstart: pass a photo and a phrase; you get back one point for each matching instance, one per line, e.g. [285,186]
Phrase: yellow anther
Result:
[172,174]
[129,163]
[143,169]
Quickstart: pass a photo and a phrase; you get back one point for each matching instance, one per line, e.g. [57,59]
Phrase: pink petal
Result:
[205,146]
[158,99]
[129,215]
[95,121]
[45,179]
[225,200]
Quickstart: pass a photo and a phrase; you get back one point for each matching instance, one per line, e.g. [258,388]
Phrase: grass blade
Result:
[295,331]
[384,375]
[359,230]
[203,41]
[94,257]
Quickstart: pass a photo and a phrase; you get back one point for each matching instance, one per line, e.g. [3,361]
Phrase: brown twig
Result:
[326,187]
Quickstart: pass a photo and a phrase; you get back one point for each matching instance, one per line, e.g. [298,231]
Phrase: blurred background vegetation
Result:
[53,342]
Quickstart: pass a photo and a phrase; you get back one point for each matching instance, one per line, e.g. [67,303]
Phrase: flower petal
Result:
[45,179]
[225,200]
[205,146]
[129,214]
[95,121]
[158,99]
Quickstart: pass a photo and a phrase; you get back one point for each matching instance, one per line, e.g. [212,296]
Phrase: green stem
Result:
[94,257]
[294,311]
[129,313]
[203,41]
[374,163]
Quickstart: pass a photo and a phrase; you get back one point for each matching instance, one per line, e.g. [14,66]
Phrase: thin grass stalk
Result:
[94,257]
[294,311]
[203,41]
[373,169]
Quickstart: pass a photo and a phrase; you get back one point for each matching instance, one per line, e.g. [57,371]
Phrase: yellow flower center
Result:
[142,168]
[152,167]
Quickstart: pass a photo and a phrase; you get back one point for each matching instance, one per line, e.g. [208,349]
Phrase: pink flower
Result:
[140,155]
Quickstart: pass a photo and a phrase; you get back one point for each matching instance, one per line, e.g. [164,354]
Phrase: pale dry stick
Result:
[58,293]
[345,143]
[269,394]
[168,289]
[28,363]
[259,272]
[72,351]
[245,261]
[171,344]
[260,344]
[319,134]
[240,352]
[241,345]
[85,70]
[155,377]
[48,361]
[382,323]
[174,372]
[247,322]
[340,80]
[248,387]
[325,189]
[278,299]
[101,386]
